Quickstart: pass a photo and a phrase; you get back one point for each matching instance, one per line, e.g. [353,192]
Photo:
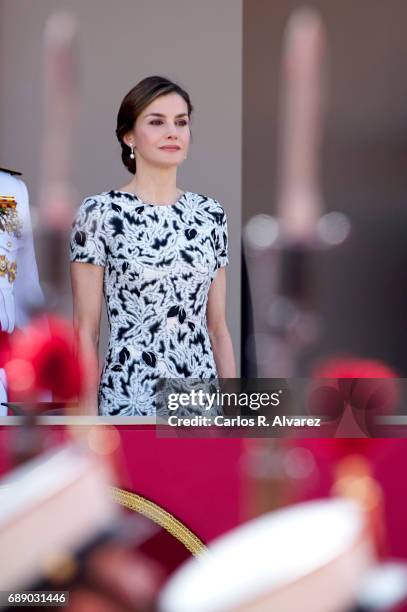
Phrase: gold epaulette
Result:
[7,202]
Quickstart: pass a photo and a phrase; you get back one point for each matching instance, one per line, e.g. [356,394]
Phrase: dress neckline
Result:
[153,204]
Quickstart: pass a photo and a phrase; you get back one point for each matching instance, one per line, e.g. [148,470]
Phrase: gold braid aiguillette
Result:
[8,268]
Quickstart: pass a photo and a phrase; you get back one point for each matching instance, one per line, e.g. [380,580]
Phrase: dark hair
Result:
[136,101]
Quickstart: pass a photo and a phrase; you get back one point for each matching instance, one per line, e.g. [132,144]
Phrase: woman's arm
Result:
[87,290]
[217,327]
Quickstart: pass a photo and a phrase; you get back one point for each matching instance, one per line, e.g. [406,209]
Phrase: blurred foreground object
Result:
[50,508]
[354,392]
[309,557]
[60,530]
[42,358]
[354,480]
[383,587]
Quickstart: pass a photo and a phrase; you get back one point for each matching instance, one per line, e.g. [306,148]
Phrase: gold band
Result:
[167,521]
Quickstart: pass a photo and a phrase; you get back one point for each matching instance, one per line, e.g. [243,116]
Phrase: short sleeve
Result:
[222,258]
[88,242]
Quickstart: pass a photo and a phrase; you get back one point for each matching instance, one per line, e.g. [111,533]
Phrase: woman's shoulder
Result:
[209,203]
[212,208]
[92,210]
[98,202]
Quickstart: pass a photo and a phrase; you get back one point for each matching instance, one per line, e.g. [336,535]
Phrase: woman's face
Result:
[161,132]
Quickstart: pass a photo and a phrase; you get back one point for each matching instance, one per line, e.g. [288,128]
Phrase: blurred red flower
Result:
[40,358]
[5,348]
[370,387]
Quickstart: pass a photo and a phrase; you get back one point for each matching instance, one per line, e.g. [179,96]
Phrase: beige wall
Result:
[196,43]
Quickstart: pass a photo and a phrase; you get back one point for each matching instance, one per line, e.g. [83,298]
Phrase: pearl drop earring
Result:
[131,151]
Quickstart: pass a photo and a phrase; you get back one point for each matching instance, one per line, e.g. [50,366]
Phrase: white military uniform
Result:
[20,289]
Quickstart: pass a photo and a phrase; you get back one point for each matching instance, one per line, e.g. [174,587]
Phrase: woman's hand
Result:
[87,290]
[217,327]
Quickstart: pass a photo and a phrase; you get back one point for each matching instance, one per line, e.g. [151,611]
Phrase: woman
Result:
[159,254]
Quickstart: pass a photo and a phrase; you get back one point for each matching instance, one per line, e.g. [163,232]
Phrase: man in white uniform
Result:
[20,291]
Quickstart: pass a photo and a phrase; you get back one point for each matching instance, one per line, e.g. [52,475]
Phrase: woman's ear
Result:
[128,139]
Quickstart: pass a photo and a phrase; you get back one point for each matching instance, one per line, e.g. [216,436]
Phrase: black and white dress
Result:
[159,262]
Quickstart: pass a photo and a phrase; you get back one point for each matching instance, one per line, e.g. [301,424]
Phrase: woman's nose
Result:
[172,131]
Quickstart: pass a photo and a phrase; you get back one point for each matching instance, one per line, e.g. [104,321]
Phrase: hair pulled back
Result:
[135,102]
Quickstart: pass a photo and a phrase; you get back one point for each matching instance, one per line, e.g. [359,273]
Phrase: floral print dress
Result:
[159,262]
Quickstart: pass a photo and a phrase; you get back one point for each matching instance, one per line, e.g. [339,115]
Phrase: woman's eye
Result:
[181,122]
